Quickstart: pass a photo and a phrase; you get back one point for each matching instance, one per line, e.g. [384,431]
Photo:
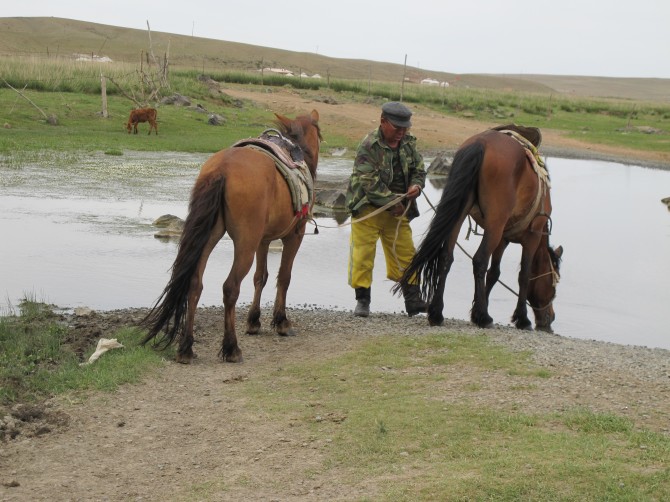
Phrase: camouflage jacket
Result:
[373,172]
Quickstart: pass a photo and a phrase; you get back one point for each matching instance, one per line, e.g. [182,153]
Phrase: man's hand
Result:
[413,192]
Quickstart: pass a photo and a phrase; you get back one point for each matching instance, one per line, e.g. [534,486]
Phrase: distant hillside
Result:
[642,89]
[55,37]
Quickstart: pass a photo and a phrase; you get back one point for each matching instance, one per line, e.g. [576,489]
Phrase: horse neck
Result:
[542,259]
[312,156]
[312,169]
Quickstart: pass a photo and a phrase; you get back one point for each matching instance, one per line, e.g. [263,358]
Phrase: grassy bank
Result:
[70,92]
[39,357]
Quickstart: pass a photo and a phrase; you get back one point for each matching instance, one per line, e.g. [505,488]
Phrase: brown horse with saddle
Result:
[257,191]
[498,178]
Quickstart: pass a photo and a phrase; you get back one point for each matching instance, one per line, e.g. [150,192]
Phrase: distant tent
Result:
[280,71]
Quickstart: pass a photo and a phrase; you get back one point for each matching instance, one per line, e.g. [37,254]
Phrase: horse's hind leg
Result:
[436,306]
[493,273]
[280,322]
[260,279]
[244,258]
[185,350]
[479,313]
[446,259]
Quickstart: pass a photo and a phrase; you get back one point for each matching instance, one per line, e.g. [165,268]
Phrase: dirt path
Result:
[434,132]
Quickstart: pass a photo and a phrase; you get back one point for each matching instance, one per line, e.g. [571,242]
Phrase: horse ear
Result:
[559,251]
[315,116]
[284,120]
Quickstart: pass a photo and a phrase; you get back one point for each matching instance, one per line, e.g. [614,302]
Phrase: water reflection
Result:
[82,236]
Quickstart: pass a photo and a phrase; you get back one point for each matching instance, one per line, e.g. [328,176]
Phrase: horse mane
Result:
[555,259]
[296,131]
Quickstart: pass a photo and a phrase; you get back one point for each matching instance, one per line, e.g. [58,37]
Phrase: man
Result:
[387,169]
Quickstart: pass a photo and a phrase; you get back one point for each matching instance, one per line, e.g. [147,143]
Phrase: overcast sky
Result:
[570,37]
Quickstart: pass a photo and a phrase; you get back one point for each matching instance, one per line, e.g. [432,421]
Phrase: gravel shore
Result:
[604,376]
[622,379]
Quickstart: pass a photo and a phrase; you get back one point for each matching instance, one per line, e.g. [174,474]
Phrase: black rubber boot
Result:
[363,302]
[414,304]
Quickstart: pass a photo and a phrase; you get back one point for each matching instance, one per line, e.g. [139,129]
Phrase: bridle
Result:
[555,279]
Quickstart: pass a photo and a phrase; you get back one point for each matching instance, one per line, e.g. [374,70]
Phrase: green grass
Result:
[81,128]
[36,360]
[383,408]
[71,92]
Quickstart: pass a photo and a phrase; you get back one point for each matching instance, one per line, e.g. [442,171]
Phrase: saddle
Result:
[290,161]
[532,134]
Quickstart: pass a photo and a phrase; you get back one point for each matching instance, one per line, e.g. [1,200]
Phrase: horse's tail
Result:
[461,183]
[169,312]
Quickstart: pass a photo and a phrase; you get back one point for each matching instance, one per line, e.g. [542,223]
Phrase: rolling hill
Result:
[48,37]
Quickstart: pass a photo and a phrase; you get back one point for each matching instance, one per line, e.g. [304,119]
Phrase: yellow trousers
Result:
[396,236]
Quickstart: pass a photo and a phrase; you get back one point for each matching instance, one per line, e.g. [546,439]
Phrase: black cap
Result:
[397,113]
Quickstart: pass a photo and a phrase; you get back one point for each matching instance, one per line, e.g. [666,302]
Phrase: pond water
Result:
[77,232]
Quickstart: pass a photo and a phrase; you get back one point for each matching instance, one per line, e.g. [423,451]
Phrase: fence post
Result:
[103,91]
[402,84]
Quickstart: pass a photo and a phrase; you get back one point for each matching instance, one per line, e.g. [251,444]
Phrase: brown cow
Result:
[142,115]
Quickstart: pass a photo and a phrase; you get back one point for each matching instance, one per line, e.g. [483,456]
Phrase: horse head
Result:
[545,275]
[305,131]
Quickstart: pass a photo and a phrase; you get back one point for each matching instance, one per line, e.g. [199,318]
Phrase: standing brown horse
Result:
[498,180]
[241,191]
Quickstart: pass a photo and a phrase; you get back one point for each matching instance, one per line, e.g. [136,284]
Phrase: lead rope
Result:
[381,209]
[377,211]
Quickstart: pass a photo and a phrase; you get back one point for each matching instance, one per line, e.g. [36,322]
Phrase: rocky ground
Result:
[187,425]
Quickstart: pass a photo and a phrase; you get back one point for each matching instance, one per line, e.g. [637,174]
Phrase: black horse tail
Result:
[462,181]
[169,312]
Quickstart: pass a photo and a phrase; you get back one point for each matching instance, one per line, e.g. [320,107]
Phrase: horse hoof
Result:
[253,330]
[288,332]
[526,326]
[485,321]
[234,357]
[435,322]
[184,358]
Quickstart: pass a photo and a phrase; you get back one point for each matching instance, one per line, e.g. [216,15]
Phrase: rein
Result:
[381,209]
[555,279]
